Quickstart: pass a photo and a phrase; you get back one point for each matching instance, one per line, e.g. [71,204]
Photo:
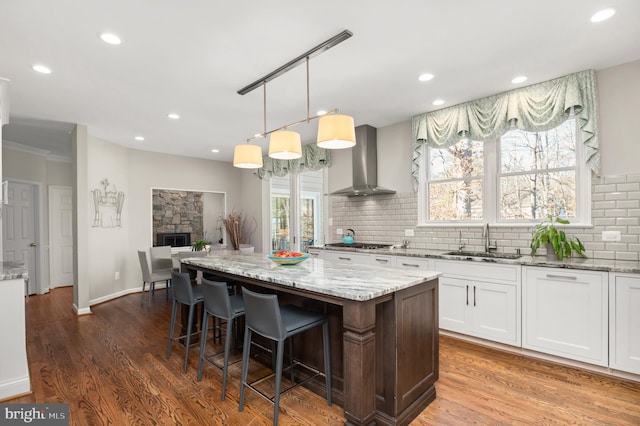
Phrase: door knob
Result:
[33,244]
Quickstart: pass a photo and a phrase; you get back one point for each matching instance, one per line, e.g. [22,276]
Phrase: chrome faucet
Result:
[487,240]
[460,243]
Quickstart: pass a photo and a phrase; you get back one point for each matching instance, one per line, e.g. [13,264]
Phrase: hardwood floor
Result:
[112,369]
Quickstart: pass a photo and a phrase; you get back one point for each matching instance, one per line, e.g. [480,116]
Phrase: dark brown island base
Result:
[384,328]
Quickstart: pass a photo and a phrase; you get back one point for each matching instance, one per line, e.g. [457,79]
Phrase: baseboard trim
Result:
[15,388]
[83,311]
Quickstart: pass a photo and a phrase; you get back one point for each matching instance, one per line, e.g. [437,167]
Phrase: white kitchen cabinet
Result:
[624,322]
[409,262]
[348,256]
[480,300]
[565,313]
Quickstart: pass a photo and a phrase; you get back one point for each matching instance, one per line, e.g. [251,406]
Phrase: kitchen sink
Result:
[483,254]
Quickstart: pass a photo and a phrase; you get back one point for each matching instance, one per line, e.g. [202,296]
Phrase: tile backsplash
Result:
[615,202]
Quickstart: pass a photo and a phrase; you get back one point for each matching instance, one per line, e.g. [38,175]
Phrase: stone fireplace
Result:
[177,217]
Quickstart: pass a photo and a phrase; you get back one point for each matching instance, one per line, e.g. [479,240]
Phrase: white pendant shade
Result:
[247,156]
[336,132]
[285,145]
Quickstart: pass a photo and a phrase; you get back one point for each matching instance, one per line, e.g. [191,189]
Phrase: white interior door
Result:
[18,229]
[61,236]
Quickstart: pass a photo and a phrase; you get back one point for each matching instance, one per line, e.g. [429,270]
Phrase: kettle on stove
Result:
[349,237]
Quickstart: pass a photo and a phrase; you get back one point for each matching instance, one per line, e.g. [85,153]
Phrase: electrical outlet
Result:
[408,233]
[117,275]
[339,231]
[611,236]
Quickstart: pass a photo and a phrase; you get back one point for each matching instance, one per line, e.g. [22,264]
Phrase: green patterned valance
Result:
[313,158]
[538,107]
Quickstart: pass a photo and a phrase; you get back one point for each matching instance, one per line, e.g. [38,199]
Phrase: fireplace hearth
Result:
[174,239]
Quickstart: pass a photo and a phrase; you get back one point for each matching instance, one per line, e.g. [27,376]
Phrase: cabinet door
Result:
[347,256]
[454,298]
[625,323]
[565,313]
[495,312]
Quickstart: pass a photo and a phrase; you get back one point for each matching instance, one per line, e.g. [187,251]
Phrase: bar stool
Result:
[264,316]
[183,293]
[221,306]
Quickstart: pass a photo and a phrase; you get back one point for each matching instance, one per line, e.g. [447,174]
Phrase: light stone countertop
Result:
[624,266]
[12,271]
[343,280]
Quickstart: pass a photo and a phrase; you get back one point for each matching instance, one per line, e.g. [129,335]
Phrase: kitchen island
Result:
[384,328]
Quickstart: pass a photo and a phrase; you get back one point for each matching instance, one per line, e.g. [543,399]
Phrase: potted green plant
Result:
[200,244]
[547,233]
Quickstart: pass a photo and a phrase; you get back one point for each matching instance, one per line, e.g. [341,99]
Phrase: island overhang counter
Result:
[384,326]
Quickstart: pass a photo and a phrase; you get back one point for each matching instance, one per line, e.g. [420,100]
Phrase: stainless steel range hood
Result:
[365,165]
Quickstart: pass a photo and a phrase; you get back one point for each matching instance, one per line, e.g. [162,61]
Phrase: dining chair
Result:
[151,277]
[161,261]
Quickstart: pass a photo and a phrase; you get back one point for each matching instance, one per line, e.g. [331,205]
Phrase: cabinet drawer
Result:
[346,256]
[315,253]
[478,270]
[413,263]
[383,260]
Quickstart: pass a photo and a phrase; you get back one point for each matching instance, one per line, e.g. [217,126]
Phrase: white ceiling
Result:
[191,57]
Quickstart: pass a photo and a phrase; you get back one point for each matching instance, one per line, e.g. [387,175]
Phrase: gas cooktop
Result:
[360,245]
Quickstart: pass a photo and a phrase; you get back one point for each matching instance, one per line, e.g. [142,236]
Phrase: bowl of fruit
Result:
[284,257]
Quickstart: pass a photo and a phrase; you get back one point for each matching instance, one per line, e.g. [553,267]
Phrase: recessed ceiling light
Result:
[425,77]
[139,138]
[41,69]
[321,112]
[438,102]
[215,151]
[519,79]
[173,116]
[110,38]
[603,15]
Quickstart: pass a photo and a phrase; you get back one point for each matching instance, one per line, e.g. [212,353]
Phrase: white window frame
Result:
[295,196]
[490,190]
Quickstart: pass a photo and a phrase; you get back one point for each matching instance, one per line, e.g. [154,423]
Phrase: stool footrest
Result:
[315,374]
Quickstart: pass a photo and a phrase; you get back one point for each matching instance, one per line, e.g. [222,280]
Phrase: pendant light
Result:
[247,156]
[285,145]
[334,131]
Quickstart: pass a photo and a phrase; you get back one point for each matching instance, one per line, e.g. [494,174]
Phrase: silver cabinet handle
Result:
[562,277]
[467,295]
[411,264]
[344,258]
[382,260]
[474,295]
[314,254]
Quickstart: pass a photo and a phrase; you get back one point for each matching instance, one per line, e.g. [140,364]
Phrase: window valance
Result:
[538,107]
[313,158]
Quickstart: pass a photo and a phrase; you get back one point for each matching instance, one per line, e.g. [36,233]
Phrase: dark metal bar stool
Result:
[264,316]
[183,293]
[221,306]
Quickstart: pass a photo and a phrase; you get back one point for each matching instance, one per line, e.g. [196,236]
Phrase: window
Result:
[520,178]
[455,181]
[537,174]
[296,222]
